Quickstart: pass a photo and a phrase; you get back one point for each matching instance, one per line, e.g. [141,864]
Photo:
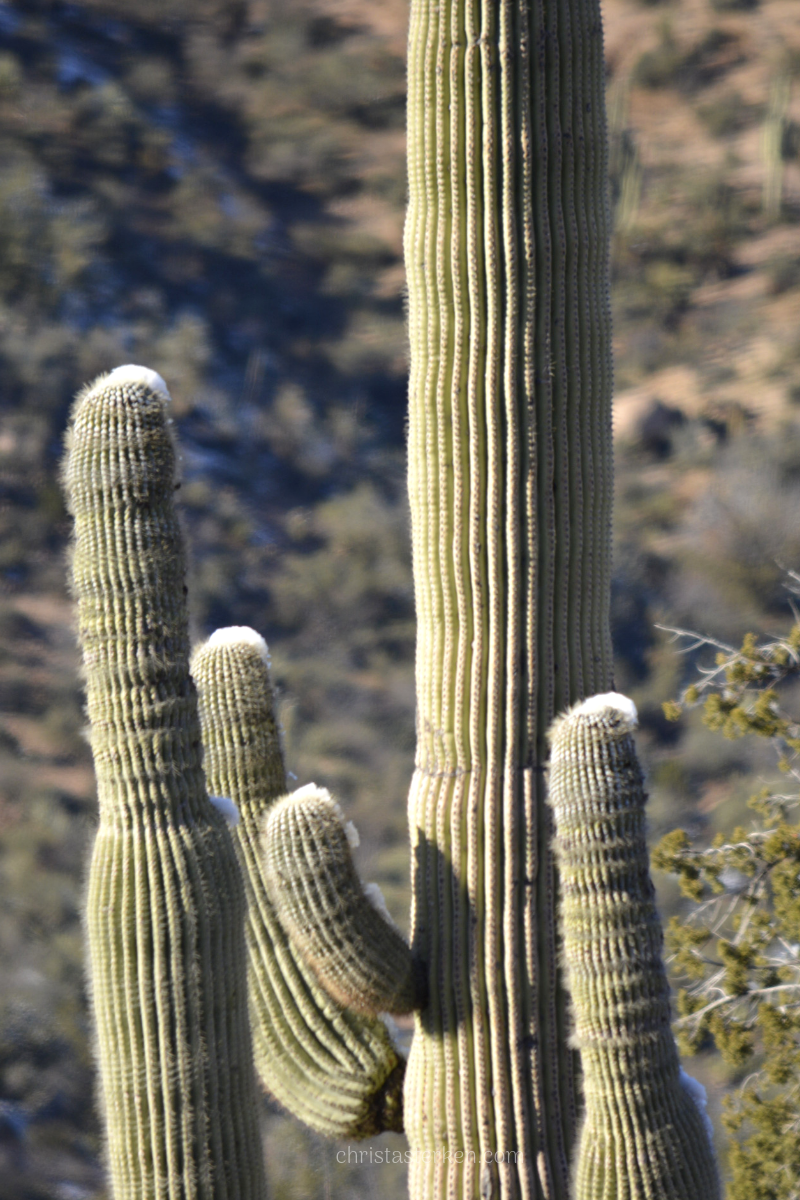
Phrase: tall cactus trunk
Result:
[510,476]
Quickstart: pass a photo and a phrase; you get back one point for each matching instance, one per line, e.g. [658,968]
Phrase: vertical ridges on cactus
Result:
[644,1135]
[165,904]
[336,1070]
[510,487]
[357,955]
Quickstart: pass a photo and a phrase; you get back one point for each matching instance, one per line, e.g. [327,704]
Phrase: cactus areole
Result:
[510,477]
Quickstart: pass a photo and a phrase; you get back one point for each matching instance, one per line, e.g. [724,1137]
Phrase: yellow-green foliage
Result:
[739,950]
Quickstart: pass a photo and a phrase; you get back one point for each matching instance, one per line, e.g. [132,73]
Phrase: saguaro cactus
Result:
[510,479]
[643,1135]
[165,904]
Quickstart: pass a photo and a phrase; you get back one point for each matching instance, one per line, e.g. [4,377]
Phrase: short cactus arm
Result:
[643,1135]
[334,1069]
[357,955]
[165,904]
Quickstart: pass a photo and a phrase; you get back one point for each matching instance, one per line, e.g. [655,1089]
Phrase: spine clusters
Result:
[510,479]
[335,1069]
[644,1136]
[165,904]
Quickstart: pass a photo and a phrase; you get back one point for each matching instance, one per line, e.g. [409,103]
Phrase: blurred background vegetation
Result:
[215,188]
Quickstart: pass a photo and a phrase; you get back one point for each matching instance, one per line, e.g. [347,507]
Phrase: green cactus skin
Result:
[644,1136]
[165,904]
[356,954]
[337,1071]
[510,481]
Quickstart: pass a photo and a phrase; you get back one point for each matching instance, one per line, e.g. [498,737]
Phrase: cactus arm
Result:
[336,1070]
[165,904]
[644,1134]
[510,481]
[358,957]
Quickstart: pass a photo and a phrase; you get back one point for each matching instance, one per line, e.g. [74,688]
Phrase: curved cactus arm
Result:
[165,904]
[644,1133]
[356,954]
[337,1071]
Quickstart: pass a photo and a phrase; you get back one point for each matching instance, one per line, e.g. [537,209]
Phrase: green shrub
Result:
[737,951]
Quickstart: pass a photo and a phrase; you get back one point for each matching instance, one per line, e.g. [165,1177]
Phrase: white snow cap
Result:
[226,806]
[609,700]
[237,635]
[131,373]
[698,1093]
[309,790]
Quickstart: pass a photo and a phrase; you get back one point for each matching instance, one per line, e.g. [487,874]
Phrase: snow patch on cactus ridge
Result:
[377,899]
[228,808]
[698,1093]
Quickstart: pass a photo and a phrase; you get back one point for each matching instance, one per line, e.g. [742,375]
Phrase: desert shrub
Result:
[736,948]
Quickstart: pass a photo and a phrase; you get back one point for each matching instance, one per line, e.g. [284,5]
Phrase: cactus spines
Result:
[165,904]
[510,479]
[644,1135]
[336,1070]
[356,954]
